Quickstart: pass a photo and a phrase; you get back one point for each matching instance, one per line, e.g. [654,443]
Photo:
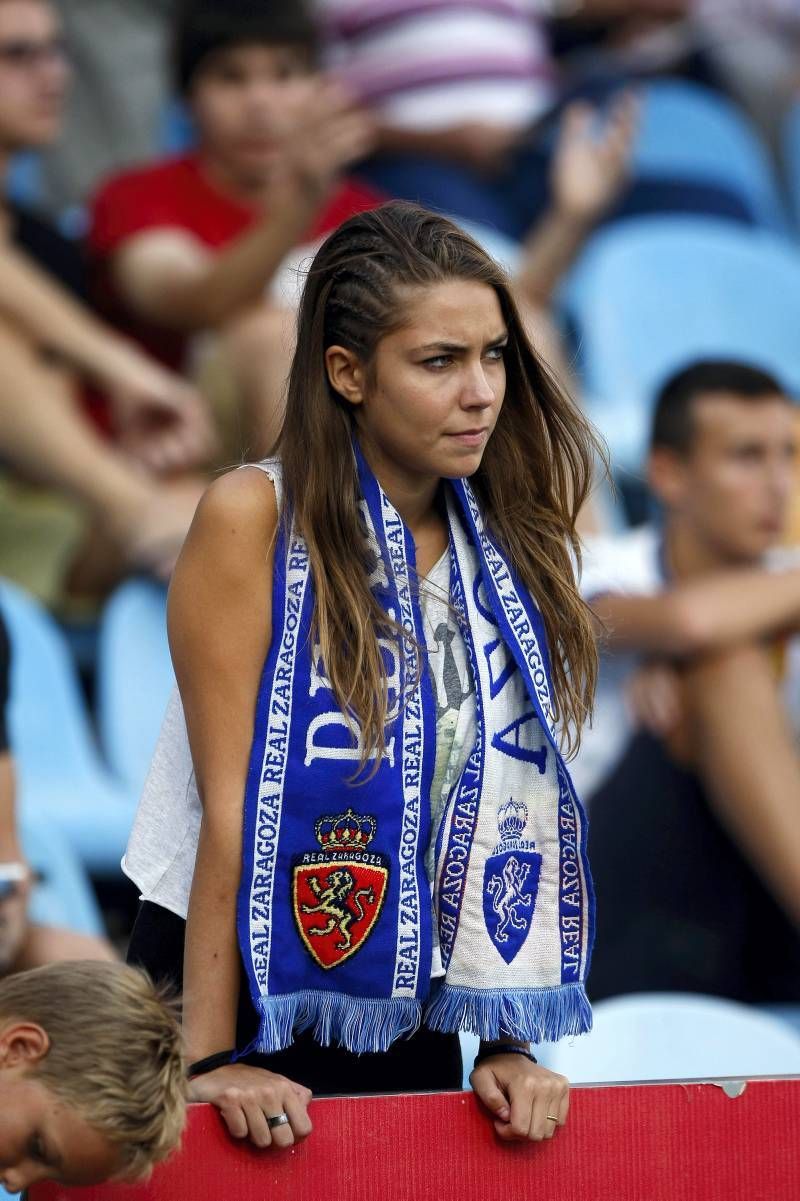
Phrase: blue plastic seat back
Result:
[63,896]
[791,157]
[652,295]
[693,133]
[63,784]
[51,735]
[673,1036]
[135,677]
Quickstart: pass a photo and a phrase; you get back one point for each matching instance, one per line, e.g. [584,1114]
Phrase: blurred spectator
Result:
[92,1079]
[463,95]
[25,944]
[589,169]
[203,242]
[48,339]
[755,48]
[695,830]
[748,48]
[119,50]
[180,253]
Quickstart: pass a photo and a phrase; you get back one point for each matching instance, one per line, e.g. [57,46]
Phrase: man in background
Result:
[695,804]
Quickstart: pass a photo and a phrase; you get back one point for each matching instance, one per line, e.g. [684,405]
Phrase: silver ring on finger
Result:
[280,1119]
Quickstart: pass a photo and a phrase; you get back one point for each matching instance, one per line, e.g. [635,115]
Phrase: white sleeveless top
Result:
[163,841]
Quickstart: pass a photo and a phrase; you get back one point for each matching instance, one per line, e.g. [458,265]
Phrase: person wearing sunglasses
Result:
[63,488]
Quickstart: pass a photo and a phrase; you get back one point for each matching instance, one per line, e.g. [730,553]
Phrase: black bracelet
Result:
[217,1060]
[504,1049]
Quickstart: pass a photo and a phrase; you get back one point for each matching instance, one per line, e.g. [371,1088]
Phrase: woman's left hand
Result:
[526,1100]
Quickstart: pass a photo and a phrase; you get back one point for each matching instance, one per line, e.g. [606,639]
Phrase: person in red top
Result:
[204,241]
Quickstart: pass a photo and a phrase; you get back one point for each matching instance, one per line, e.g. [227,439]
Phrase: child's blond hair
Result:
[115,1053]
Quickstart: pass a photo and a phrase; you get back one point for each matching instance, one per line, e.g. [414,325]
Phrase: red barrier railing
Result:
[660,1142]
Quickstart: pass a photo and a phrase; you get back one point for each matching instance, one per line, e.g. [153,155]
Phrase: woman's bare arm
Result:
[220,628]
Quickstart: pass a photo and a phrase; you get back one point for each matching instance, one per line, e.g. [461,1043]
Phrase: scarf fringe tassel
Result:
[357,1023]
[535,1014]
[373,1024]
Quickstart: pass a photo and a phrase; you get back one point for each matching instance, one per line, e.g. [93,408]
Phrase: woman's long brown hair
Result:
[535,474]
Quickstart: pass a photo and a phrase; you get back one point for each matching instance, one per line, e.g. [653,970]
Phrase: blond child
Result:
[91,1075]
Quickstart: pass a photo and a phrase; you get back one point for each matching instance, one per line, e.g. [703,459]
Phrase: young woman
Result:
[371,705]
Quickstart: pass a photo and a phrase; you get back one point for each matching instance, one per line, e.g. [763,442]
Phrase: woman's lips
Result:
[470,437]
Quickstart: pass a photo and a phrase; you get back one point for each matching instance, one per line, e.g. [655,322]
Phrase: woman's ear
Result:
[345,374]
[22,1043]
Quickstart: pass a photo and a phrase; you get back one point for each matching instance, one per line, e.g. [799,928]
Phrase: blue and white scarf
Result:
[334,912]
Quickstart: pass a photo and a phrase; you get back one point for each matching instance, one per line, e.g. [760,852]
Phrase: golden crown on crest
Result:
[345,831]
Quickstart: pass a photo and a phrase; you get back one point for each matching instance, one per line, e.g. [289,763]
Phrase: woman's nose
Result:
[478,389]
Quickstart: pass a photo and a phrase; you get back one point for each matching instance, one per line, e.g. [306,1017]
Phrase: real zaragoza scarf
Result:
[334,911]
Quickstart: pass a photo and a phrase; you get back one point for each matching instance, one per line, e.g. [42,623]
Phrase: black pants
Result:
[426,1061]
[678,906]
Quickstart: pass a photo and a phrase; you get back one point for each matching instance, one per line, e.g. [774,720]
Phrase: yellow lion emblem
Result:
[333,903]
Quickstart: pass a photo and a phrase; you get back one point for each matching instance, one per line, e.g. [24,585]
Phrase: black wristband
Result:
[217,1060]
[504,1049]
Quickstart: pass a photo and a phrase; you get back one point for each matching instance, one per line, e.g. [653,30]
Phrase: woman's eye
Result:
[495,353]
[438,361]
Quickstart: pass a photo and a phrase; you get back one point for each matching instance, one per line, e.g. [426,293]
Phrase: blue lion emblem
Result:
[511,882]
[506,893]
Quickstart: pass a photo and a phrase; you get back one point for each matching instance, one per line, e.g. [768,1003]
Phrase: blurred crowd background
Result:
[166,170]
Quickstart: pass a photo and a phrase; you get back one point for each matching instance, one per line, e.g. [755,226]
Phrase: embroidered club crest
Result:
[338,892]
[511,882]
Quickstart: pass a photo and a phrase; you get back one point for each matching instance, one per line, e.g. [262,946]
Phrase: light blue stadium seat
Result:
[63,896]
[63,783]
[673,1036]
[691,132]
[791,157]
[134,677]
[653,294]
[786,1012]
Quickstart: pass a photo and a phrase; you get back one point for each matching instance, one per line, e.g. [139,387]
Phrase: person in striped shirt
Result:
[458,90]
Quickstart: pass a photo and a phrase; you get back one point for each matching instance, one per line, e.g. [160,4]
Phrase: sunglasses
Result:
[25,53]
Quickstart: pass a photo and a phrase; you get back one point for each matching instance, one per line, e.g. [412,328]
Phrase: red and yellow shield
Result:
[336,904]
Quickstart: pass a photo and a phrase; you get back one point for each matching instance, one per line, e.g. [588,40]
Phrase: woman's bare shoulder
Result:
[242,503]
[226,561]
[238,512]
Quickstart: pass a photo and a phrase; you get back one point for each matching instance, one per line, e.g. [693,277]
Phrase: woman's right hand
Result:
[247,1096]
